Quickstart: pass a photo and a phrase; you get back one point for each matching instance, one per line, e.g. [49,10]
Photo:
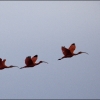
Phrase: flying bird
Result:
[31,62]
[70,51]
[3,65]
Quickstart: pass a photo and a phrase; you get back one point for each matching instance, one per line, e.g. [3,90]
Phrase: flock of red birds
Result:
[31,61]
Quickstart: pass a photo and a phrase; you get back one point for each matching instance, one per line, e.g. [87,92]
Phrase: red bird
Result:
[70,51]
[30,62]
[3,66]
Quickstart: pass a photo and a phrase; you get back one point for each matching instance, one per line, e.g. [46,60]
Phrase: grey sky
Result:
[42,27]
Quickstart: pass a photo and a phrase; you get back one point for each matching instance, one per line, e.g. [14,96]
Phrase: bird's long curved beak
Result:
[14,66]
[45,62]
[21,67]
[85,52]
[17,66]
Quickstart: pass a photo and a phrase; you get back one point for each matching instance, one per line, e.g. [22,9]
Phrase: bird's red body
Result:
[31,62]
[70,51]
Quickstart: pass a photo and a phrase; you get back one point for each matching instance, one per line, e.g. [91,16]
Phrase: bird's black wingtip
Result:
[36,56]
[73,43]
[28,56]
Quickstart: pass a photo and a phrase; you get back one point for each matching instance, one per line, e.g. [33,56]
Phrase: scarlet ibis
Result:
[31,62]
[3,66]
[70,51]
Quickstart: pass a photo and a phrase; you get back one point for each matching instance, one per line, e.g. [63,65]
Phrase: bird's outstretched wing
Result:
[0,62]
[28,61]
[72,48]
[65,51]
[34,58]
[3,62]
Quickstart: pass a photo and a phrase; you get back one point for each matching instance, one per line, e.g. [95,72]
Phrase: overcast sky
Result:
[28,28]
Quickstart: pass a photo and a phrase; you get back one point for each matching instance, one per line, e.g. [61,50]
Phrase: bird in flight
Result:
[3,66]
[70,51]
[31,62]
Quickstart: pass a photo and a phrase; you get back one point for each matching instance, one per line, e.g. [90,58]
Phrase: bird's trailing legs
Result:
[26,67]
[61,58]
[10,66]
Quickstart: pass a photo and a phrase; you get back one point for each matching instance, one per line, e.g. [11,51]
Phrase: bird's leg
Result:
[26,67]
[23,67]
[61,58]
[1,68]
[11,66]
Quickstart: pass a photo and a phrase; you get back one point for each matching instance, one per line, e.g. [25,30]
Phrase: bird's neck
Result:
[76,54]
[37,63]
